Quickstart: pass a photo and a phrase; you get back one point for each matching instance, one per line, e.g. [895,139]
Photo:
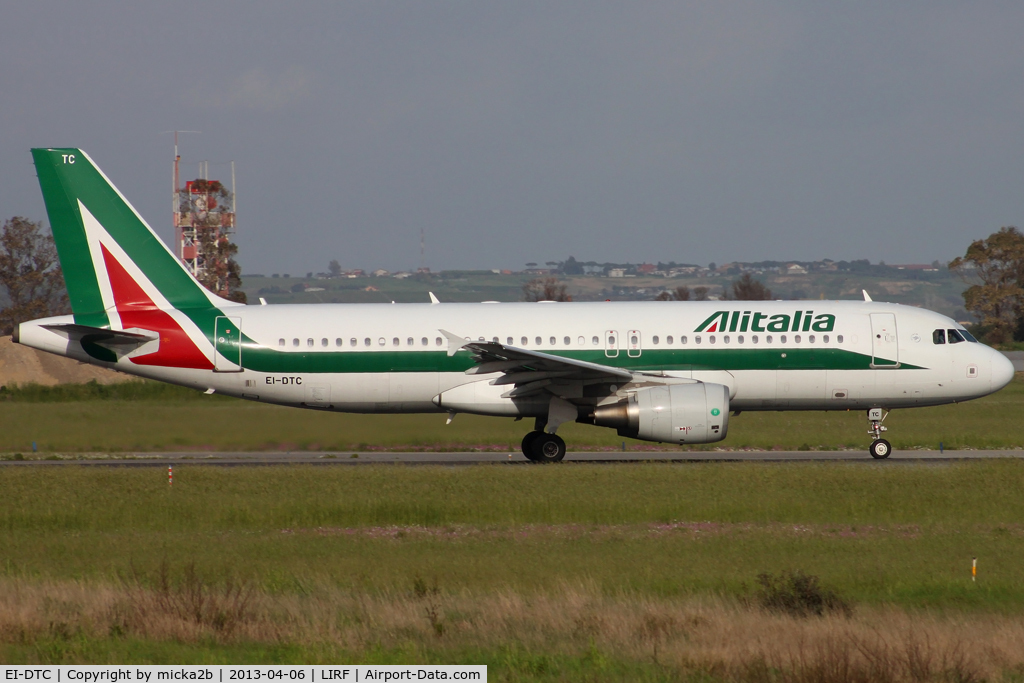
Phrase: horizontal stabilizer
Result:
[102,336]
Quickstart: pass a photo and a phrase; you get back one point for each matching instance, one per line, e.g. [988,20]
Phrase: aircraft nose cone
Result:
[1002,371]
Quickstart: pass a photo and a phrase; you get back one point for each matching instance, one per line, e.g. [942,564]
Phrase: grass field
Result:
[140,416]
[634,572]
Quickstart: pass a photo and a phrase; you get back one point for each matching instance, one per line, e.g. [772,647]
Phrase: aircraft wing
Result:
[530,371]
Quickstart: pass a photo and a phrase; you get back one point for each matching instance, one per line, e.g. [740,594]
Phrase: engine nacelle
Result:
[674,413]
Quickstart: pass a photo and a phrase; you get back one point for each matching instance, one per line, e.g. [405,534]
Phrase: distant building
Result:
[795,269]
[380,272]
[617,272]
[646,268]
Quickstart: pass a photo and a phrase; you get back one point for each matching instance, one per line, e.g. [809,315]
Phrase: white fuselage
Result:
[393,358]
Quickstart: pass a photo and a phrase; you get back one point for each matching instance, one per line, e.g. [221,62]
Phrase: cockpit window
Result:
[939,337]
[954,336]
[968,336]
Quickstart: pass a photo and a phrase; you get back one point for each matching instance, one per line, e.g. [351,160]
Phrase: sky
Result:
[516,132]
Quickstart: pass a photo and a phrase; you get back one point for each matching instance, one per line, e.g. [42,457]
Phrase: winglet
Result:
[433,299]
[867,297]
[455,342]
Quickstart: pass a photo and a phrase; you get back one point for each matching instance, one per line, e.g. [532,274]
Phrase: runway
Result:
[353,458]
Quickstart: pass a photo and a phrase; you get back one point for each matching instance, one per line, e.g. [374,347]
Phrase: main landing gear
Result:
[880,448]
[539,446]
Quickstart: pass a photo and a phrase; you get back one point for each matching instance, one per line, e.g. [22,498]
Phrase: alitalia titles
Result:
[755,321]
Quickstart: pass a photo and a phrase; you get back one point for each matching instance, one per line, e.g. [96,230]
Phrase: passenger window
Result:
[796,339]
[366,342]
[524,341]
[839,339]
[725,339]
[696,340]
[410,341]
[494,339]
[668,339]
[711,339]
[395,342]
[280,342]
[939,337]
[566,340]
[295,342]
[633,340]
[682,340]
[552,341]
[381,341]
[538,341]
[595,341]
[810,338]
[437,341]
[309,342]
[824,339]
[739,339]
[782,339]
[352,341]
[508,341]
[324,342]
[954,336]
[338,342]
[581,341]
[654,340]
[424,341]
[753,339]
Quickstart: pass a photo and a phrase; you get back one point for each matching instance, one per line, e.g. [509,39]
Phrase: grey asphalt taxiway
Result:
[165,459]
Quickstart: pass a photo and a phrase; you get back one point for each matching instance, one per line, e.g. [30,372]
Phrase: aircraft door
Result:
[611,343]
[228,344]
[633,343]
[885,352]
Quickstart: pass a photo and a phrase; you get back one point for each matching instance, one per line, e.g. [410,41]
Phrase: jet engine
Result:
[674,413]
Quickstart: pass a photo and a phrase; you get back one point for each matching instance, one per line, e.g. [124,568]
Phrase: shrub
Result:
[798,594]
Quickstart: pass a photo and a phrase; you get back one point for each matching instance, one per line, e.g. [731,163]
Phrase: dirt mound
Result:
[23,365]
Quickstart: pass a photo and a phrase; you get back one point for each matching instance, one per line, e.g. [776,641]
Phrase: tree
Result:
[748,289]
[994,267]
[30,274]
[334,268]
[545,289]
[680,293]
[572,267]
[684,293]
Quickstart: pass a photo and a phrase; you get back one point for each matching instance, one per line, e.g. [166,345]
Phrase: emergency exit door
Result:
[611,343]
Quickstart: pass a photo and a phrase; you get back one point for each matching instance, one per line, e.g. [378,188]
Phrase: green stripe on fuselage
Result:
[261,359]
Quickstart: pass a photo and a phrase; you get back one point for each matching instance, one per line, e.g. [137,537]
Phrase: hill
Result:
[22,365]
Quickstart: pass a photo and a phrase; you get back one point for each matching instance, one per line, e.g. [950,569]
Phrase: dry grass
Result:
[712,637]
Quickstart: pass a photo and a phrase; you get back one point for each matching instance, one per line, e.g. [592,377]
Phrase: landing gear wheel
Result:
[527,446]
[880,449]
[548,448]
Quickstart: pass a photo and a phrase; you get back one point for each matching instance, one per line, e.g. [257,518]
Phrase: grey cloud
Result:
[257,89]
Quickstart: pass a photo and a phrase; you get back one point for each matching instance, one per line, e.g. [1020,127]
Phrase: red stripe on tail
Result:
[136,309]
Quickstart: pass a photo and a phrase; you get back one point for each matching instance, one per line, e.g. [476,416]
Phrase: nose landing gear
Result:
[880,448]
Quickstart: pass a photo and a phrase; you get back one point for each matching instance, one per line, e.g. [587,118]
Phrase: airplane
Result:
[669,372]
